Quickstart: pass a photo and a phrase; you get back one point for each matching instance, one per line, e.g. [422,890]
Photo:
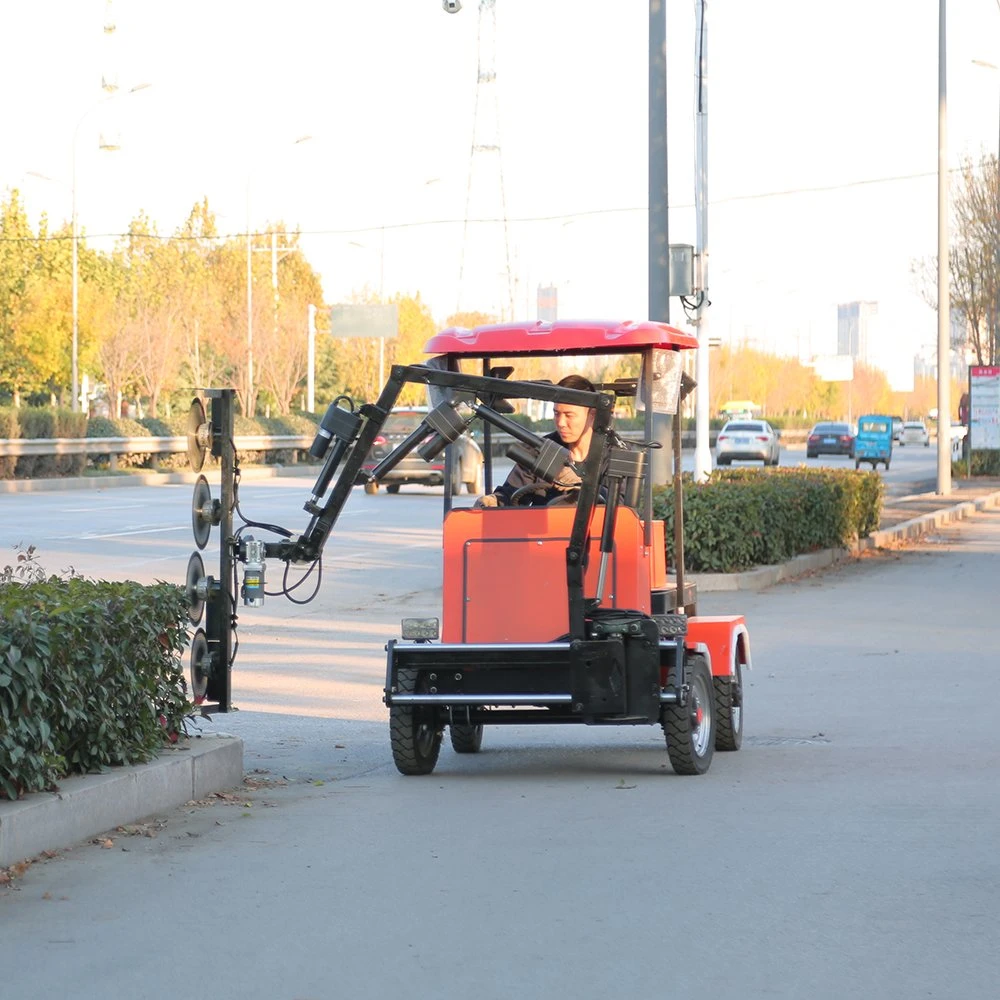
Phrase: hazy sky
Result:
[822,143]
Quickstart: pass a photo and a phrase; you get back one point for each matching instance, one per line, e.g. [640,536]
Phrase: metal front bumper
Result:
[599,680]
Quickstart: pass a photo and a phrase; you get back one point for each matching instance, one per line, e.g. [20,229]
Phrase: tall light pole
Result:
[76,401]
[249,395]
[381,288]
[944,305]
[702,450]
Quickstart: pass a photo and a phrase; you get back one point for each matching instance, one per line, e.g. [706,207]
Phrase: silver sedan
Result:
[747,440]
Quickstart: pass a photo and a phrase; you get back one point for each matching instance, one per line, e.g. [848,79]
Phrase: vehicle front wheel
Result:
[466,739]
[729,707]
[690,730]
[392,488]
[414,731]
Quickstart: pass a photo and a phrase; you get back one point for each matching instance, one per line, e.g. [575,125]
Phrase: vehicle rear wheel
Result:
[723,461]
[690,731]
[465,738]
[392,488]
[887,465]
[414,731]
[729,707]
[857,463]
[811,454]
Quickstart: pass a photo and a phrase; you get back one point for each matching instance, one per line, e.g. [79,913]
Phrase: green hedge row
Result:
[984,463]
[745,517]
[31,423]
[90,676]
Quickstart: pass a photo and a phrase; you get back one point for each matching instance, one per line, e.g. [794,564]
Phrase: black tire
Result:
[857,463]
[887,466]
[392,488]
[729,708]
[690,731]
[414,731]
[466,739]
[723,461]
[811,454]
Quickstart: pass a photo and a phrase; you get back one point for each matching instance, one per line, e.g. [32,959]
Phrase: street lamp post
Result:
[75,223]
[249,395]
[381,286]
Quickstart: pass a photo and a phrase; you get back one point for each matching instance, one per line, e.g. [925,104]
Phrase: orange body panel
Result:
[505,571]
[721,634]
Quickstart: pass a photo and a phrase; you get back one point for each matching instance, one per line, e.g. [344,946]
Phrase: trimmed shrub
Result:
[9,428]
[107,427]
[49,422]
[741,518]
[984,463]
[90,677]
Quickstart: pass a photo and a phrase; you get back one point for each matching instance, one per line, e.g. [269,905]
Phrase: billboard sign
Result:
[984,407]
[381,321]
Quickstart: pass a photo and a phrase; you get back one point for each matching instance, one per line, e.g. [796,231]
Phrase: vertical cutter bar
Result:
[219,688]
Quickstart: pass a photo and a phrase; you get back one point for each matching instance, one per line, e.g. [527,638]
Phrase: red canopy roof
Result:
[559,337]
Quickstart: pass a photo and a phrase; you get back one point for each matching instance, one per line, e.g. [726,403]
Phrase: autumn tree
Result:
[973,258]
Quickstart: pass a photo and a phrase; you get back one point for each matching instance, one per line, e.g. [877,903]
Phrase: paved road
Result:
[848,850]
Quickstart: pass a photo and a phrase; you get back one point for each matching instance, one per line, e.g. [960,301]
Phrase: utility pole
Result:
[944,304]
[702,451]
[658,252]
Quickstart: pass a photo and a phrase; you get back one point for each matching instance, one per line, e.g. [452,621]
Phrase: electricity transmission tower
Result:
[485,281]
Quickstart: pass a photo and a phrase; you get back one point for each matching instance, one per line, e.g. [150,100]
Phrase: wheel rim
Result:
[424,735]
[701,715]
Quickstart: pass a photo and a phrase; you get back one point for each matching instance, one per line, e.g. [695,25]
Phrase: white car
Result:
[751,440]
[915,432]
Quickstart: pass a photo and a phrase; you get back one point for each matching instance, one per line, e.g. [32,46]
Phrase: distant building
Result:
[856,322]
[548,303]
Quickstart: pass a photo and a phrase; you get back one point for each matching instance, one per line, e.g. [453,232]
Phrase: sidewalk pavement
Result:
[199,767]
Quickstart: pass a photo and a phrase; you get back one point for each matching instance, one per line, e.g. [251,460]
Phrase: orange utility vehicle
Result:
[564,613]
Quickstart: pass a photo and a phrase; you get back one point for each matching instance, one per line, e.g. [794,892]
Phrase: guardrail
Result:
[115,446]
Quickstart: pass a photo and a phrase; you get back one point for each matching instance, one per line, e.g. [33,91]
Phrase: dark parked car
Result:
[830,439]
[467,464]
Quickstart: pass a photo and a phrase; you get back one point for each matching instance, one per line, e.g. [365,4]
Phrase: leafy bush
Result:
[50,422]
[744,517]
[107,427]
[984,463]
[10,429]
[90,676]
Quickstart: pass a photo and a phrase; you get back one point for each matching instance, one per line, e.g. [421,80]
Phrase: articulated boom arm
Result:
[347,437]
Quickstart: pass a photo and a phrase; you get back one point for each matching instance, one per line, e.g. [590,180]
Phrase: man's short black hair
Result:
[577,382]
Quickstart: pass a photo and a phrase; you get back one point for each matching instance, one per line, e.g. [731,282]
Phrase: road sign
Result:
[377,321]
[984,406]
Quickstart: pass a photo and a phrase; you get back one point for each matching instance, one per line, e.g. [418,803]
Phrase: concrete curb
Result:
[766,576]
[94,803]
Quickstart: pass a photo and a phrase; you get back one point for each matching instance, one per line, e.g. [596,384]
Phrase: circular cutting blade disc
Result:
[195,434]
[200,664]
[195,575]
[201,520]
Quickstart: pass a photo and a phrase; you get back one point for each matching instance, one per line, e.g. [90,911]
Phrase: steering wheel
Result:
[519,497]
[562,499]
